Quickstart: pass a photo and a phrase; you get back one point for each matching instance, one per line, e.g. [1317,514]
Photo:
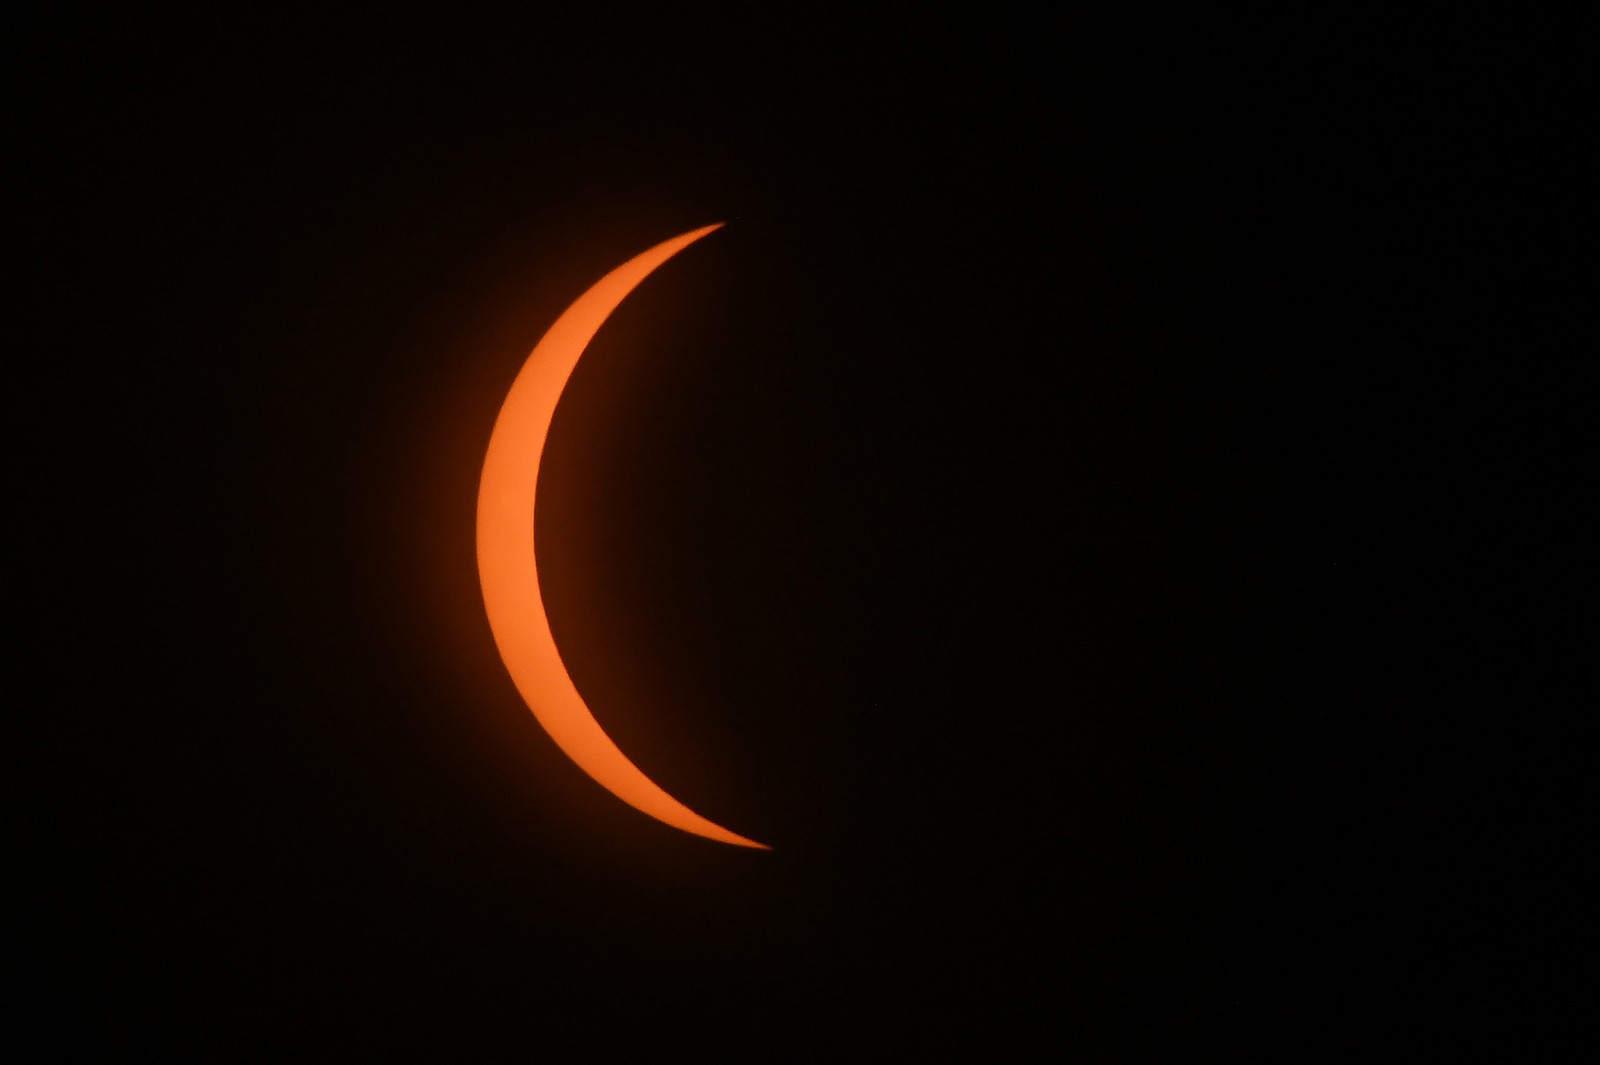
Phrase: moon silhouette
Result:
[506,565]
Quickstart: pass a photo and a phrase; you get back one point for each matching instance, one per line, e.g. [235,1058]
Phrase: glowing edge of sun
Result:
[507,568]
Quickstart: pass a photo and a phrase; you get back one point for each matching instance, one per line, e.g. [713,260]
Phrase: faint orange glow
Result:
[506,566]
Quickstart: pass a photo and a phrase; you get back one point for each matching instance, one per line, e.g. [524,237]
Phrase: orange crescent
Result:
[506,565]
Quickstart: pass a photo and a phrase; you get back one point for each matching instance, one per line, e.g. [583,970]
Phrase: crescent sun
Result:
[506,563]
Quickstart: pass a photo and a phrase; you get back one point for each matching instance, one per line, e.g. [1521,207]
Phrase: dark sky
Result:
[963,520]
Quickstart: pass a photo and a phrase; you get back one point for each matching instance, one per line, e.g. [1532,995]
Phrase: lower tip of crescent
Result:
[739,841]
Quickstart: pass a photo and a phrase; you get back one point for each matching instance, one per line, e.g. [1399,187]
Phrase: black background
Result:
[965,519]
